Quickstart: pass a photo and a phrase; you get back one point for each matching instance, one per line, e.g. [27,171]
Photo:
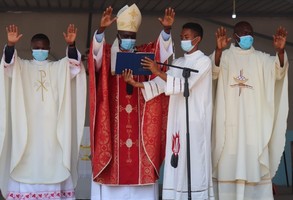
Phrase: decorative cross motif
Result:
[41,84]
[241,80]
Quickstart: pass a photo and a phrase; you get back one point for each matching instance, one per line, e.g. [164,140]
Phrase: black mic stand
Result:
[186,75]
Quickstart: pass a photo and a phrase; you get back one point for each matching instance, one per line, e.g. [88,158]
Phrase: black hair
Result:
[40,36]
[197,28]
[240,25]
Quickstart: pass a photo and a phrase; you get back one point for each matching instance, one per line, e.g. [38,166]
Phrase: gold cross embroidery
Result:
[241,80]
[132,25]
[129,143]
[41,83]
[133,13]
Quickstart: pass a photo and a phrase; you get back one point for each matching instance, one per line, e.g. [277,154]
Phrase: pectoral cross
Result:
[41,83]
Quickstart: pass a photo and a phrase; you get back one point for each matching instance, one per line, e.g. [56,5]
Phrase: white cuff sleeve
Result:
[153,88]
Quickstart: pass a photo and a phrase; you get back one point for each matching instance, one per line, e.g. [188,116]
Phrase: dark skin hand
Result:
[222,42]
[128,78]
[70,35]
[13,35]
[106,19]
[279,41]
[168,19]
[149,64]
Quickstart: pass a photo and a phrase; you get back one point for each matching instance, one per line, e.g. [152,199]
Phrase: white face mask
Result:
[245,42]
[127,44]
[40,54]
[186,45]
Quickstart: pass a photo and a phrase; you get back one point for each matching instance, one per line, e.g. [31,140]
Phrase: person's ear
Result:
[196,40]
[118,36]
[235,37]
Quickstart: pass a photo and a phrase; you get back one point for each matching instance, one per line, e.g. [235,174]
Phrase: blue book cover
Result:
[126,60]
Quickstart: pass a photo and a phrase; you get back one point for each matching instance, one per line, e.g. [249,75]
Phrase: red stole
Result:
[127,134]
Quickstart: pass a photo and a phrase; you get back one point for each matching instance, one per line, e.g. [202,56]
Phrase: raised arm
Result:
[280,38]
[13,37]
[221,42]
[106,20]
[70,37]
[168,19]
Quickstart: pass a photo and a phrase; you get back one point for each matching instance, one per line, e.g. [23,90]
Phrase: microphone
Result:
[129,89]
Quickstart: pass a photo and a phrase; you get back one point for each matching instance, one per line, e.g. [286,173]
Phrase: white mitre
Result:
[128,18]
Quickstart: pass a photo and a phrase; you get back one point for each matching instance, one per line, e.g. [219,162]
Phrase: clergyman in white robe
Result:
[200,116]
[249,125]
[41,118]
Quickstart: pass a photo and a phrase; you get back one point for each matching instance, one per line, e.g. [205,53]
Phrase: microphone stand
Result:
[186,75]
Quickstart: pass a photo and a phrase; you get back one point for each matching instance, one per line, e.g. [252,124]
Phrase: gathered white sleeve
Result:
[97,51]
[281,71]
[153,88]
[8,67]
[215,69]
[166,48]
[157,86]
[175,85]
[74,65]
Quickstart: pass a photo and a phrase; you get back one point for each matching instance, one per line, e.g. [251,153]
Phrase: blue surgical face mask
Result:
[245,41]
[186,45]
[127,44]
[40,54]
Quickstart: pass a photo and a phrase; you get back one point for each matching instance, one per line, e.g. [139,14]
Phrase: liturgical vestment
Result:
[250,119]
[42,120]
[127,134]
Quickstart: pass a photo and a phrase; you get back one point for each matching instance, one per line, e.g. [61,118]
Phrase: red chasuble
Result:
[127,133]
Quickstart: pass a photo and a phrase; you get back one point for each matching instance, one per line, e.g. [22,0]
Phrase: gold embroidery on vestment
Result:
[41,83]
[240,82]
[129,108]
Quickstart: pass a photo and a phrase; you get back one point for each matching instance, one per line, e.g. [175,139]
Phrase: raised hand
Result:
[222,39]
[169,18]
[70,35]
[106,19]
[13,35]
[280,38]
